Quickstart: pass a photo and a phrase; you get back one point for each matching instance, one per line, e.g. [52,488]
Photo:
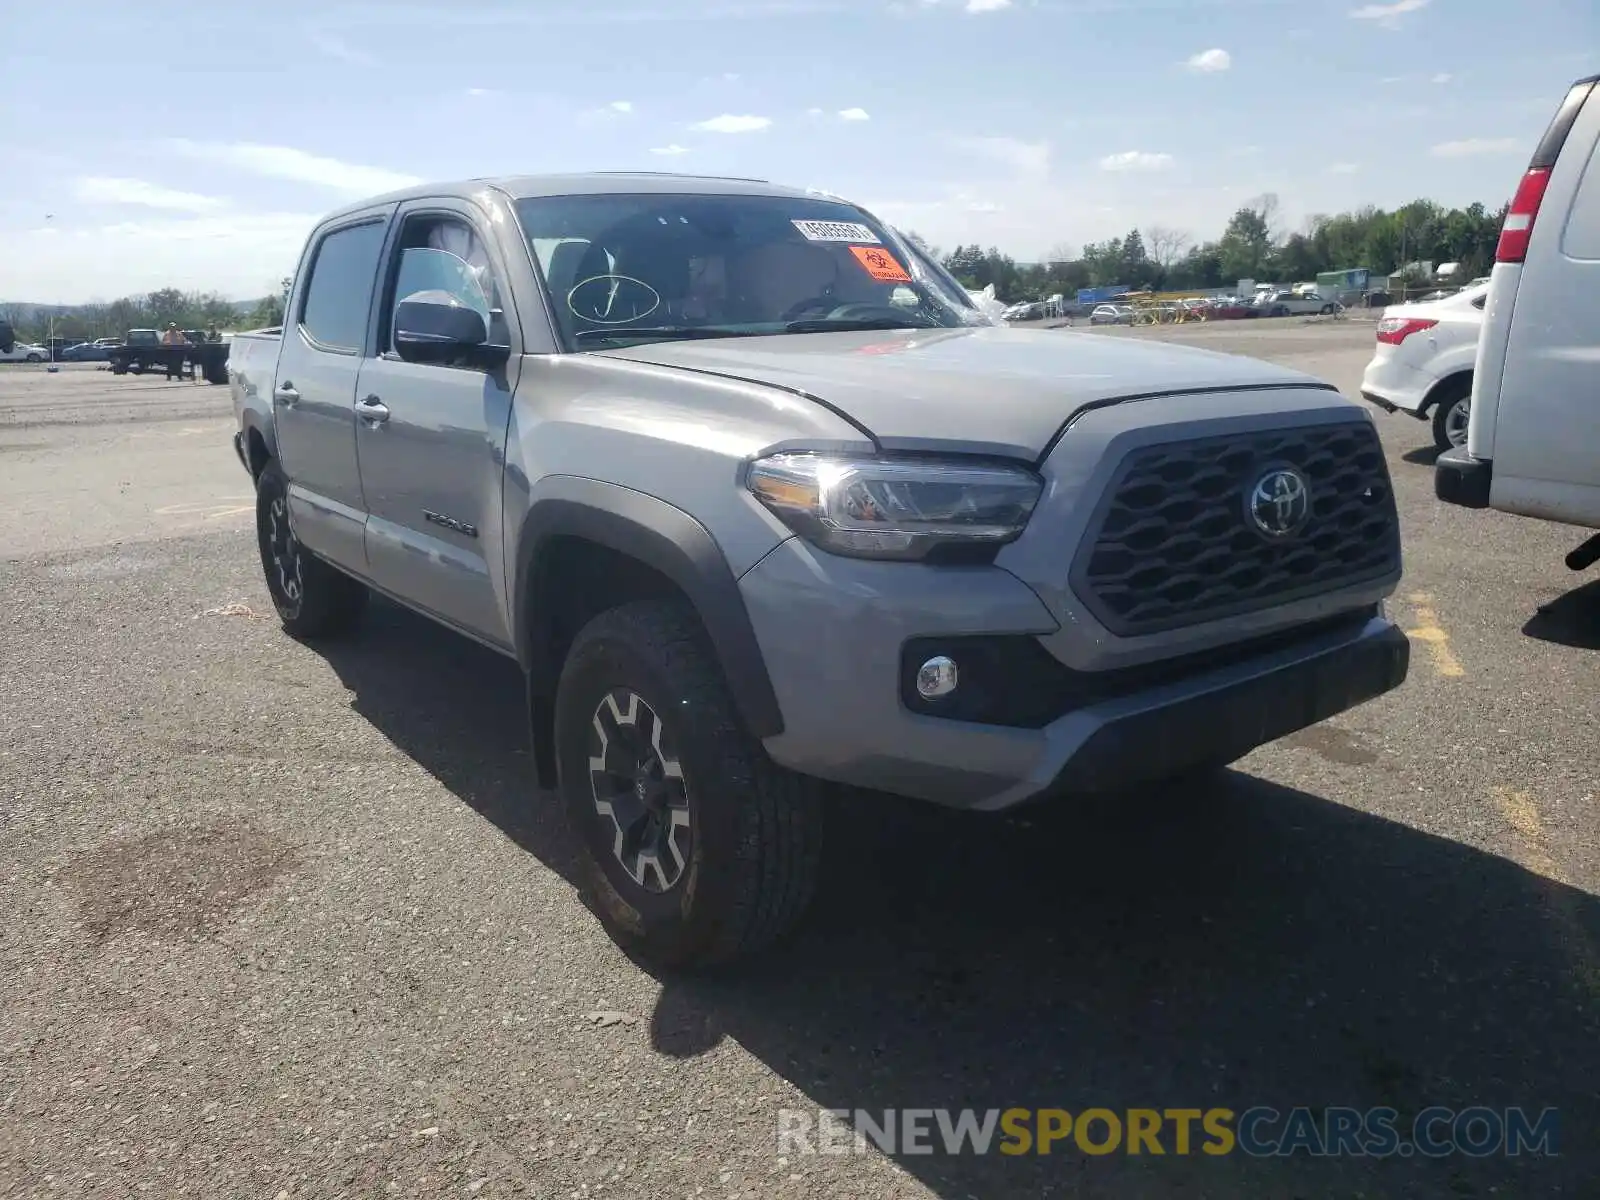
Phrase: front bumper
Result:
[832,630]
[1460,479]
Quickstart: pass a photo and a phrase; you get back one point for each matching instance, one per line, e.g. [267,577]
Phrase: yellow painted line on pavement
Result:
[1431,635]
[1518,811]
[209,510]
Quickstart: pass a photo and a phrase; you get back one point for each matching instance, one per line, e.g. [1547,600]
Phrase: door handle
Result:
[286,393]
[372,409]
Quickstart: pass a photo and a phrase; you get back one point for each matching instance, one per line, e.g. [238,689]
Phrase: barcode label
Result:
[835,231]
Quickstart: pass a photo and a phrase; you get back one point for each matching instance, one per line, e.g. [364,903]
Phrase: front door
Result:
[314,391]
[431,438]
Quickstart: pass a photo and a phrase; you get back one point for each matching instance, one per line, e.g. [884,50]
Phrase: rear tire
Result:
[313,599]
[696,848]
[1450,415]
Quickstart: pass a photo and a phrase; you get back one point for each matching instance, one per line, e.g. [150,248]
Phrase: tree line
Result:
[152,310]
[1254,245]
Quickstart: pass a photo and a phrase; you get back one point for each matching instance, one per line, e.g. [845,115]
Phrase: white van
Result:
[1533,437]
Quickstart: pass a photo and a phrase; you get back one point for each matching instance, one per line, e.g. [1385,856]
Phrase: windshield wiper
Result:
[848,324]
[670,332]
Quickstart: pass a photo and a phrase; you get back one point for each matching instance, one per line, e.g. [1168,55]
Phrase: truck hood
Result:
[984,390]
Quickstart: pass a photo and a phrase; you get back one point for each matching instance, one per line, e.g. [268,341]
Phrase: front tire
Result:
[696,848]
[313,599]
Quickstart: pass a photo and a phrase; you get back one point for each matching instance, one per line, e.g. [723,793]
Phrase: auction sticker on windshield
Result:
[880,264]
[836,231]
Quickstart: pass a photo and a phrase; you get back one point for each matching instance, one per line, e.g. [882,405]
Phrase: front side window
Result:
[334,311]
[443,254]
[626,269]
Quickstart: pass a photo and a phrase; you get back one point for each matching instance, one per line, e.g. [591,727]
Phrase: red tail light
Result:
[1513,247]
[1394,330]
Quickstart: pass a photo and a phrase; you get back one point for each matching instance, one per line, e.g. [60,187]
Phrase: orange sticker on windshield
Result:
[880,264]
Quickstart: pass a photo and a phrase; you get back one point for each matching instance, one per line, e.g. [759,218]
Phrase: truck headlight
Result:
[895,508]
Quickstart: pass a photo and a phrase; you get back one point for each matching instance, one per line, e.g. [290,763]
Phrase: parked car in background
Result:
[85,352]
[25,352]
[1028,310]
[1289,304]
[1423,362]
[1232,308]
[1531,443]
[1111,314]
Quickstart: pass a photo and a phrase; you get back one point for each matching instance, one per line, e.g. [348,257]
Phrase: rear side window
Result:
[334,311]
[1582,237]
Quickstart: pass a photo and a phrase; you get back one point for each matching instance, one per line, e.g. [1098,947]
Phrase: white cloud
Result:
[241,255]
[97,189]
[1344,168]
[1387,15]
[1211,60]
[335,47]
[903,8]
[285,162]
[730,123]
[813,112]
[478,92]
[853,114]
[1471,146]
[1442,77]
[621,106]
[1135,160]
[1025,158]
[671,151]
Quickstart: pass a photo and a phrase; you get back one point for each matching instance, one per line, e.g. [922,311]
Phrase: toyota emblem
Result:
[1279,503]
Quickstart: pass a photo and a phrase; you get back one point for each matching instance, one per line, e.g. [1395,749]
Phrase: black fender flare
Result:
[662,537]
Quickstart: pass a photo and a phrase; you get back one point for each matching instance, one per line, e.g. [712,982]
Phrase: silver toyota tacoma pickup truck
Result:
[760,503]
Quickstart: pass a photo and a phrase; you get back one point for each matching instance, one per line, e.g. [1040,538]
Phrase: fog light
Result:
[936,678]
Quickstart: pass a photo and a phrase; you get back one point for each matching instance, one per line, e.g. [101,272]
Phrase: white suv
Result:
[1423,362]
[1533,440]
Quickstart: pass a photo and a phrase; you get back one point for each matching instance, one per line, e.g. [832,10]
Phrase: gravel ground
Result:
[292,922]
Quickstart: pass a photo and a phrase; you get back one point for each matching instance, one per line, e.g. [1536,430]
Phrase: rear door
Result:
[313,395]
[1545,314]
[431,438]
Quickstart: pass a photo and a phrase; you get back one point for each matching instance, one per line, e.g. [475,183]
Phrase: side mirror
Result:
[435,327]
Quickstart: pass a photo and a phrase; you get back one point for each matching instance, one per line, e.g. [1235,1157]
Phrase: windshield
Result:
[628,269]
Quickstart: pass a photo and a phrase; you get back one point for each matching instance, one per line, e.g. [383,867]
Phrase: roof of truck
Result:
[589,183]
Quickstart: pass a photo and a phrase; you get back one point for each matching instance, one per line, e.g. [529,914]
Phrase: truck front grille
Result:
[1174,542]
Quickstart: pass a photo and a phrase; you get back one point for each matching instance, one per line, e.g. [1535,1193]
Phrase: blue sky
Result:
[1027,124]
